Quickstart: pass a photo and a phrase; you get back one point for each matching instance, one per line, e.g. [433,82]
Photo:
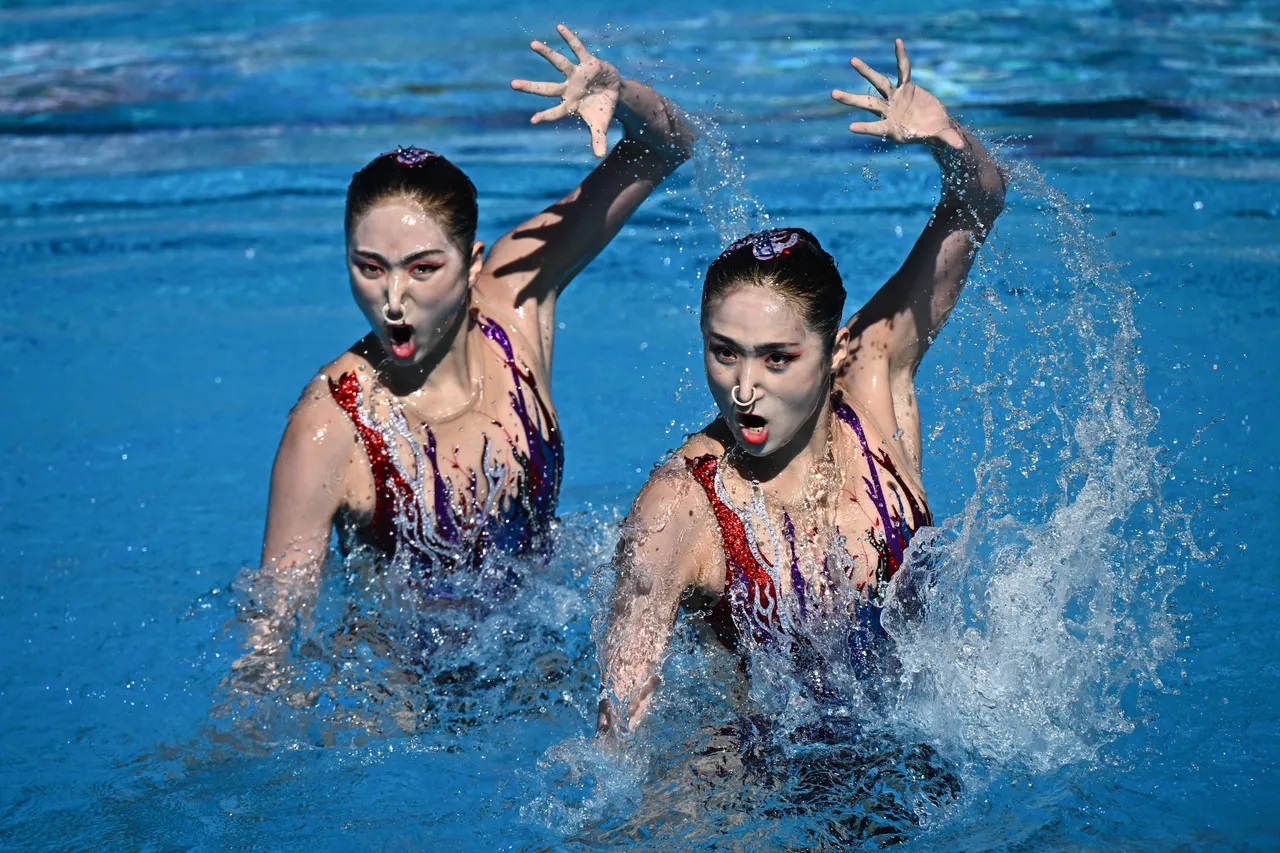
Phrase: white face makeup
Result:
[408,278]
[755,340]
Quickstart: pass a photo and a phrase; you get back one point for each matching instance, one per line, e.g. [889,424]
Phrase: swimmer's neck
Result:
[786,471]
[445,376]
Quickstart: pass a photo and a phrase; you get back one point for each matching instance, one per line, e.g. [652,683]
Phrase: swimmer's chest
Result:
[855,534]
[478,460]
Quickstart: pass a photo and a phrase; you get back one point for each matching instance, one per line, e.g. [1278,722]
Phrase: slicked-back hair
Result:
[789,261]
[421,176]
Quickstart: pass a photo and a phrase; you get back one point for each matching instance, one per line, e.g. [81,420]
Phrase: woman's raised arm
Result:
[537,259]
[889,336]
[902,319]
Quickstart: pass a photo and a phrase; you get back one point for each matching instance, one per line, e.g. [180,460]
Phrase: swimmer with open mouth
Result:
[785,518]
[457,445]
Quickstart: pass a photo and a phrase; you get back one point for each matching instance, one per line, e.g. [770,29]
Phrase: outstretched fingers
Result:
[870,103]
[575,44]
[599,141]
[904,64]
[550,90]
[555,113]
[875,78]
[555,57]
[871,128]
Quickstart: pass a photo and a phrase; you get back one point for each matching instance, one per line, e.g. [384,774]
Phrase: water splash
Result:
[1048,610]
[382,656]
[1046,619]
[721,186]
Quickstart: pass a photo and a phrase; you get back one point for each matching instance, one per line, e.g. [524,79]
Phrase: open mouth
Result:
[755,429]
[401,339]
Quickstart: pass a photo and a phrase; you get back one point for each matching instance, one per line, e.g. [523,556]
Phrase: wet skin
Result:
[754,339]
[411,281]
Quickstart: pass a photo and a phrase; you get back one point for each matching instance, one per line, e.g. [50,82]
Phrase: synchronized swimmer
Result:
[434,440]
[795,506]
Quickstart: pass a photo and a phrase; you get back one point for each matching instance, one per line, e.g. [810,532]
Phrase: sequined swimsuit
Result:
[750,600]
[467,522]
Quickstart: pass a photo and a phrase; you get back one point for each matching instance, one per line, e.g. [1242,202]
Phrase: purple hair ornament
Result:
[767,245]
[411,156]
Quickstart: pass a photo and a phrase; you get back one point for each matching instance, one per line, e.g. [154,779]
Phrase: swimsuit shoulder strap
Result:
[703,469]
[544,461]
[391,489]
[733,533]
[846,415]
[347,393]
[898,521]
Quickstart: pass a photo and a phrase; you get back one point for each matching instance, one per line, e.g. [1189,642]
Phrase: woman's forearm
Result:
[654,121]
[971,179]
[283,593]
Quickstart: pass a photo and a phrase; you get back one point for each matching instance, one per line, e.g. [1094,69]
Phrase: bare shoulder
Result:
[521,328]
[712,440]
[318,426]
[671,523]
[360,359]
[669,484]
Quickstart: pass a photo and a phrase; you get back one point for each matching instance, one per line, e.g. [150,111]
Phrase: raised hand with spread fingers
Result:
[908,113]
[590,88]
[895,328]
[537,259]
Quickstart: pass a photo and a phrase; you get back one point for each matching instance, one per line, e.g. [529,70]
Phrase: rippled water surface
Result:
[1095,666]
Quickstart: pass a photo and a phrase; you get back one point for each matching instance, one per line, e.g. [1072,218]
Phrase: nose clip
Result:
[386,314]
[742,404]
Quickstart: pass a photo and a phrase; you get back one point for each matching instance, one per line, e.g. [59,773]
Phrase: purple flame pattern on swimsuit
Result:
[543,463]
[750,604]
[897,526]
[798,585]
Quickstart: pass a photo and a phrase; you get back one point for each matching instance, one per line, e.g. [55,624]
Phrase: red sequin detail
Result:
[762,595]
[391,488]
[749,591]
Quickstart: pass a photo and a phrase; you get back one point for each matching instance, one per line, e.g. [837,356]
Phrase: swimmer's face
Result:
[755,339]
[409,278]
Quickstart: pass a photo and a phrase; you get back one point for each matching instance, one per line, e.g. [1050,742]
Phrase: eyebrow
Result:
[765,347]
[405,261]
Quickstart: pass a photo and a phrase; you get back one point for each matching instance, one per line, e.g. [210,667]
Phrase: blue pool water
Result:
[1098,666]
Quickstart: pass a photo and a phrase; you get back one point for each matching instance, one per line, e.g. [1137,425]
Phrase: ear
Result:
[840,351]
[477,262]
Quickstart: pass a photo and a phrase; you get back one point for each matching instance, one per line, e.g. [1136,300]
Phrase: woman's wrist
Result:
[952,137]
[653,120]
